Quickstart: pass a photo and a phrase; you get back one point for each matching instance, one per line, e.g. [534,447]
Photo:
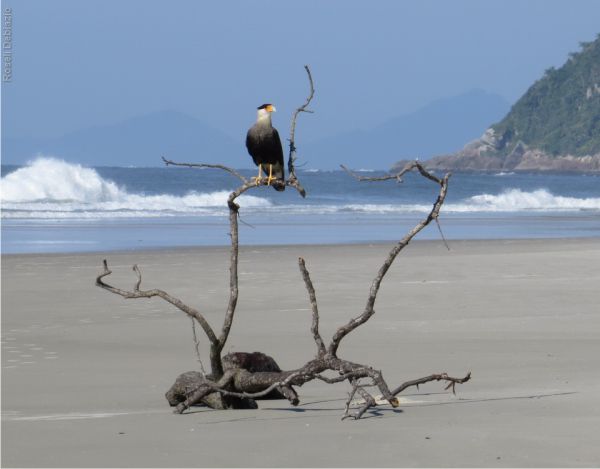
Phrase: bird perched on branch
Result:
[264,145]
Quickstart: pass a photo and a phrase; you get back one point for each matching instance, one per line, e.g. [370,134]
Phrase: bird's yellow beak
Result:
[271,108]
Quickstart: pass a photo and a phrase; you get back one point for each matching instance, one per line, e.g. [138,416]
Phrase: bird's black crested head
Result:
[267,107]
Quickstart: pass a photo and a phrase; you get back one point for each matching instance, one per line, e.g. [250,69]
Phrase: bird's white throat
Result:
[263,117]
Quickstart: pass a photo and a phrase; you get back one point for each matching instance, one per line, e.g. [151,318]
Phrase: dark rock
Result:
[482,155]
[253,362]
[191,380]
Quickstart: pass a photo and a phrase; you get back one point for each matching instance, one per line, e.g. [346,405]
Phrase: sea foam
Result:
[52,188]
[49,179]
[514,200]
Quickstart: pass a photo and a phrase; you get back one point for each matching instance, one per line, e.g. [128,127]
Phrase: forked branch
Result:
[452,382]
[206,165]
[137,293]
[247,184]
[432,215]
[292,156]
[313,304]
[239,383]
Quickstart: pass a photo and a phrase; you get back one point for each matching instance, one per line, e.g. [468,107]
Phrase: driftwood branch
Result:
[292,155]
[359,177]
[452,382]
[397,176]
[137,293]
[197,346]
[206,165]
[291,181]
[433,214]
[236,382]
[217,343]
[313,304]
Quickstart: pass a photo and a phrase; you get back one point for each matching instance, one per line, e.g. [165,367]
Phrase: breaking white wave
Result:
[516,200]
[511,200]
[49,179]
[50,188]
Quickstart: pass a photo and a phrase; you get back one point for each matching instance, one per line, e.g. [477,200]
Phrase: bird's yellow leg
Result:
[270,178]
[258,178]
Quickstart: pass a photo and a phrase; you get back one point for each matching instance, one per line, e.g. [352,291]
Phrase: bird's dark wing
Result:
[253,144]
[277,148]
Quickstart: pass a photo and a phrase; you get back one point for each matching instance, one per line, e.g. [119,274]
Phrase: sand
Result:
[84,372]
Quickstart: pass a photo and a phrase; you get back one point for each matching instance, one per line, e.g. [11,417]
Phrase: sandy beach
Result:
[84,372]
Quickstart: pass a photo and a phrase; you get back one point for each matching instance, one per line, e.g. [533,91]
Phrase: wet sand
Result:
[84,372]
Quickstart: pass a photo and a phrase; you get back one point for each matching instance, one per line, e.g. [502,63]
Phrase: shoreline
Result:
[85,372]
[159,249]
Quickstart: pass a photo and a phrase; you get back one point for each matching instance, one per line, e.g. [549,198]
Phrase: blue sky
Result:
[83,63]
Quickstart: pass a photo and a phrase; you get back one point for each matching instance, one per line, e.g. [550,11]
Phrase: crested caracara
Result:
[264,145]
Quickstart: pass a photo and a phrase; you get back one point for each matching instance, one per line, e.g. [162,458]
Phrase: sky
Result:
[78,64]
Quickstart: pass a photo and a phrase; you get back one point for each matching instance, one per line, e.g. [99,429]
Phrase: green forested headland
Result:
[554,126]
[560,112]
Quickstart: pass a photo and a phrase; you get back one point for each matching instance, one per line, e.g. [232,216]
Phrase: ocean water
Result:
[54,206]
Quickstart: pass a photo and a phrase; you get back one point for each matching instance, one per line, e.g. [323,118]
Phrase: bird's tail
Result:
[279,183]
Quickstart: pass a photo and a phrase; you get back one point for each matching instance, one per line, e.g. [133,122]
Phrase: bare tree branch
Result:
[227,379]
[437,377]
[137,293]
[370,401]
[136,287]
[292,181]
[227,383]
[343,376]
[206,165]
[359,177]
[197,346]
[437,222]
[292,155]
[313,304]
[217,344]
[369,308]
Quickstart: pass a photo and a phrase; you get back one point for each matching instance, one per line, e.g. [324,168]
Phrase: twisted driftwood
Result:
[237,380]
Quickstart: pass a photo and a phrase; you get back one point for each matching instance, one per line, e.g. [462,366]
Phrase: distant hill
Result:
[139,141]
[440,127]
[555,125]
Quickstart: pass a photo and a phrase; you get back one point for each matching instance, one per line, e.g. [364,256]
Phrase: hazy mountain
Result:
[139,141]
[440,127]
[555,125]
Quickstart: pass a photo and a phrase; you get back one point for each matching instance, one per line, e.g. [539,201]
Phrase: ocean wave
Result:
[516,200]
[52,188]
[50,179]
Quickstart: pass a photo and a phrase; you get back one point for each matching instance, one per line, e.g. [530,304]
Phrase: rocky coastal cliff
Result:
[484,154]
[554,126]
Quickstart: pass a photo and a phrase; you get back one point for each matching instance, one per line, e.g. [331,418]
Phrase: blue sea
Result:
[52,206]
